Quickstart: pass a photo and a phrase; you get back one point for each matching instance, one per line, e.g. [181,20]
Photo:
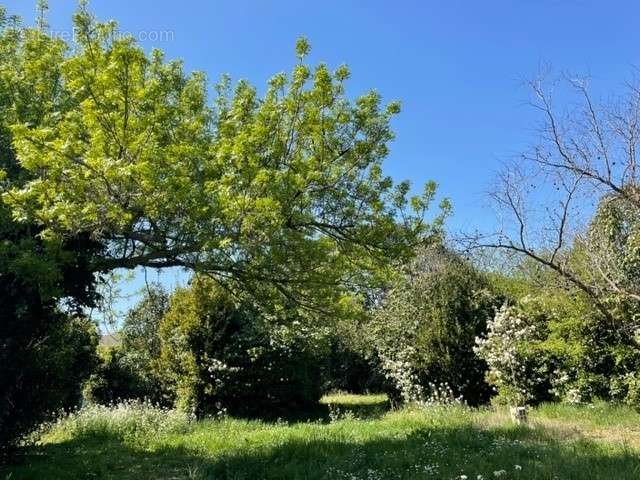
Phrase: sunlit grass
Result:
[600,414]
[349,399]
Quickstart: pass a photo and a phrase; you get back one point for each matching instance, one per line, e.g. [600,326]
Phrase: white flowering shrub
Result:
[633,390]
[401,374]
[564,388]
[574,385]
[626,389]
[131,421]
[398,370]
[425,329]
[509,350]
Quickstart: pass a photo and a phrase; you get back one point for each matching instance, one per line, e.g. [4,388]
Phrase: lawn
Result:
[355,437]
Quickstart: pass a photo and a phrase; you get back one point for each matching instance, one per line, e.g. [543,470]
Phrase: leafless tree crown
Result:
[586,155]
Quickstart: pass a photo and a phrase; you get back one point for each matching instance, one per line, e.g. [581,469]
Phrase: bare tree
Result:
[583,166]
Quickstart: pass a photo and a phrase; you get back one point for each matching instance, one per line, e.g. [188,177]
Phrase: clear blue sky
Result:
[457,66]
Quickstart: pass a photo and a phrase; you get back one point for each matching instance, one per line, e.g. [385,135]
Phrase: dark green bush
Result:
[130,370]
[219,354]
[350,369]
[45,352]
[47,348]
[426,329]
[115,379]
[44,357]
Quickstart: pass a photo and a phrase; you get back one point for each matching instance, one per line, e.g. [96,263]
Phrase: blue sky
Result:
[456,66]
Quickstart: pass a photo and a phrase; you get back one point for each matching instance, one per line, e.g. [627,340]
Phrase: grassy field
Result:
[353,438]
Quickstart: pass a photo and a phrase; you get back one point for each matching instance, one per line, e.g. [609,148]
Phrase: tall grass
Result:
[598,414]
[137,441]
[131,421]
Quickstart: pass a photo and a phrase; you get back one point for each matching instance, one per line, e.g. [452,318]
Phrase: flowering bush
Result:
[399,370]
[131,421]
[424,331]
[626,389]
[548,345]
[509,348]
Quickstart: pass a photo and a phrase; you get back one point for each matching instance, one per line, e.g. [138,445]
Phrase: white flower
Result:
[517,467]
[499,473]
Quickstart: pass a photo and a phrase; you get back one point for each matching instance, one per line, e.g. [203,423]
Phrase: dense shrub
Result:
[600,357]
[551,343]
[350,361]
[141,344]
[115,379]
[426,329]
[45,352]
[351,369]
[630,384]
[44,356]
[130,370]
[218,354]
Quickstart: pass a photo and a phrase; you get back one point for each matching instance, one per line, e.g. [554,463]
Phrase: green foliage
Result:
[281,192]
[571,352]
[131,370]
[219,354]
[44,357]
[132,422]
[350,359]
[351,368]
[609,255]
[632,397]
[117,379]
[112,157]
[141,344]
[45,352]
[426,329]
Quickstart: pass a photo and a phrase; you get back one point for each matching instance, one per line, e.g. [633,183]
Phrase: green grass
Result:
[598,414]
[357,440]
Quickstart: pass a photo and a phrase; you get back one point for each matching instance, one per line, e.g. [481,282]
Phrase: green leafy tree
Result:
[45,352]
[284,189]
[141,338]
[110,157]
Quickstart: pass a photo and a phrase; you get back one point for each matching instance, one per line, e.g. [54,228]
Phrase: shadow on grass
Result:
[437,453]
[328,411]
[364,411]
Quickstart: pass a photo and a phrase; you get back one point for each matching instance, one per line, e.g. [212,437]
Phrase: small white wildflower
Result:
[499,473]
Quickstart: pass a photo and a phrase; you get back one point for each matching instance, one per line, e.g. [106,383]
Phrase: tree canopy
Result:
[284,188]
